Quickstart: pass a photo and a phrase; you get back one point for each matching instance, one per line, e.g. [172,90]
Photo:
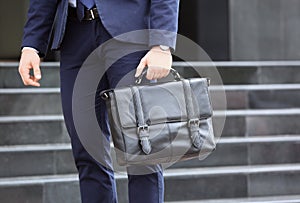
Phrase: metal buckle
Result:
[194,121]
[138,81]
[104,96]
[208,81]
[176,74]
[92,13]
[143,127]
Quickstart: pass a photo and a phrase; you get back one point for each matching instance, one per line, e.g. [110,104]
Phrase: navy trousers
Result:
[97,184]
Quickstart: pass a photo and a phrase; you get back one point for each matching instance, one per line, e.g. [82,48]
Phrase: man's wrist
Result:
[29,49]
[162,48]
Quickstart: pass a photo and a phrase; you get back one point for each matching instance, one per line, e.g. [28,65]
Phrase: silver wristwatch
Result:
[164,48]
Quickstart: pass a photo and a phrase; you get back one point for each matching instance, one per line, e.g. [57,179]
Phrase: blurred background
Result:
[256,48]
[225,29]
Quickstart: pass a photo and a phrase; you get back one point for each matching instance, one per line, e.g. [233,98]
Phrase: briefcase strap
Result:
[193,114]
[175,74]
[142,127]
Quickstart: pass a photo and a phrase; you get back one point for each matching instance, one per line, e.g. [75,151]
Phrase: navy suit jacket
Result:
[158,17]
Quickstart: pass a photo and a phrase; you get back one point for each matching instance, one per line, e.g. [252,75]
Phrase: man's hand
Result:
[30,60]
[158,62]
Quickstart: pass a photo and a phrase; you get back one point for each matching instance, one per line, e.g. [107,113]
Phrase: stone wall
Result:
[264,29]
[12,19]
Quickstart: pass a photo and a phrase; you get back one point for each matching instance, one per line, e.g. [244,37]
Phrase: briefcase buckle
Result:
[194,121]
[92,13]
[143,128]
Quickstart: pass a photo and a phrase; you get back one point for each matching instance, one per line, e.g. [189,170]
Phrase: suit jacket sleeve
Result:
[163,22]
[39,23]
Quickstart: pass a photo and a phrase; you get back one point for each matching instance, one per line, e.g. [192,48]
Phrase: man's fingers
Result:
[27,78]
[24,73]
[165,72]
[30,80]
[36,71]
[157,76]
[158,63]
[150,74]
[157,73]
[140,67]
[30,60]
[33,82]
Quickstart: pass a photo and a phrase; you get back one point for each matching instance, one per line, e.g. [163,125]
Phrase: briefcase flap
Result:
[161,103]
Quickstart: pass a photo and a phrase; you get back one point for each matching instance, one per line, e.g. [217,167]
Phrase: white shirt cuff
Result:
[30,48]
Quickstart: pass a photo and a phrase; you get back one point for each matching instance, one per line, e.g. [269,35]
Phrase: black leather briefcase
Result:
[161,122]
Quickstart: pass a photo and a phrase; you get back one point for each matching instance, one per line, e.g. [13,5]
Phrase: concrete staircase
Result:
[257,158]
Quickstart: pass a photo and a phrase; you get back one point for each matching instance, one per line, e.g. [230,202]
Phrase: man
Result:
[81,26]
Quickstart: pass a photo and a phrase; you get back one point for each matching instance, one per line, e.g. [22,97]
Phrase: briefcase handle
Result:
[175,74]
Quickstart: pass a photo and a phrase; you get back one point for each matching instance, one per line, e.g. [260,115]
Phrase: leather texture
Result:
[161,123]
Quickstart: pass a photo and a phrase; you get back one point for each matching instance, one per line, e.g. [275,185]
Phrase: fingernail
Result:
[38,76]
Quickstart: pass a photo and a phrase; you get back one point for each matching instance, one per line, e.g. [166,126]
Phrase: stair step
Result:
[36,160]
[180,184]
[257,96]
[57,158]
[249,151]
[245,72]
[9,76]
[42,129]
[258,122]
[232,72]
[35,101]
[30,101]
[17,130]
[270,199]
[229,182]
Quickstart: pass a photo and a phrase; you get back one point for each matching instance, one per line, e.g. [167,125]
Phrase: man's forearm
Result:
[163,22]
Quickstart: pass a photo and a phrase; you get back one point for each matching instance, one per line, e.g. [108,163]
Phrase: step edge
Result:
[169,173]
[276,63]
[16,64]
[259,139]
[251,87]
[31,118]
[216,113]
[255,87]
[257,112]
[50,90]
[230,64]
[35,147]
[264,199]
[225,170]
[227,140]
